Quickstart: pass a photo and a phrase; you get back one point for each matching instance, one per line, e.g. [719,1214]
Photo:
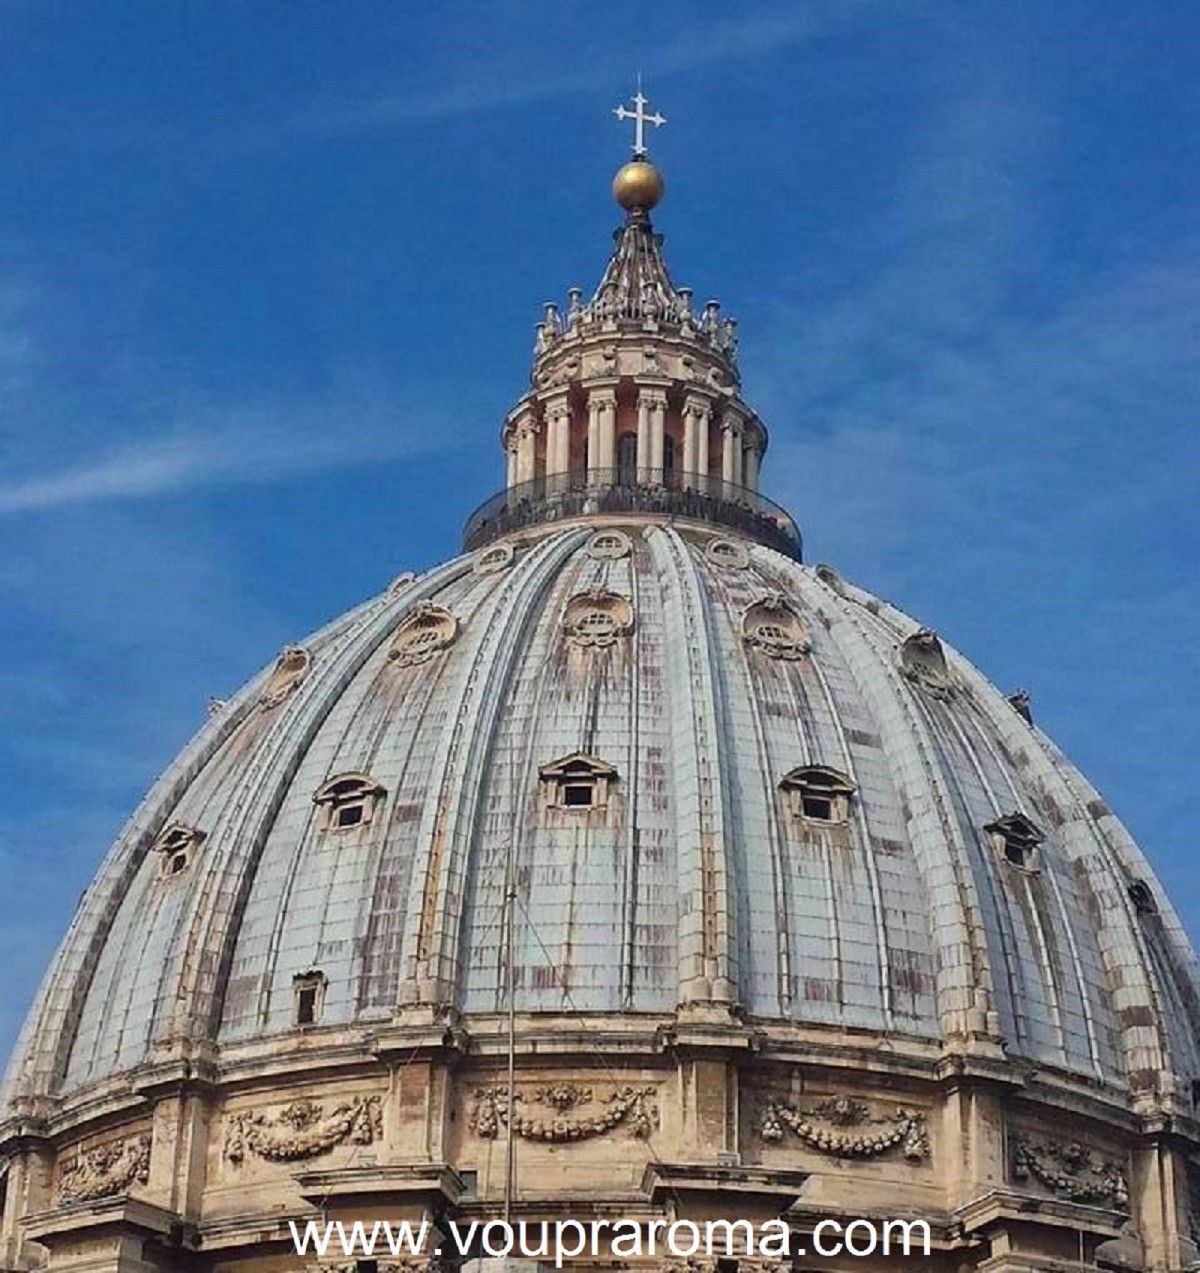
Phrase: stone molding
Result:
[302,1129]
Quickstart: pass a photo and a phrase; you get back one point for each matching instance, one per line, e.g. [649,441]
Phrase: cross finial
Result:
[640,120]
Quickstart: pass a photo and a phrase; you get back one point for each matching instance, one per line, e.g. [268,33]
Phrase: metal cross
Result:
[640,120]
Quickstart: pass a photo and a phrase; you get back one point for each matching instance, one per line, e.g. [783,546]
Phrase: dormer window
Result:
[348,801]
[577,783]
[608,545]
[1142,898]
[772,626]
[177,844]
[423,633]
[818,794]
[596,619]
[923,662]
[289,671]
[495,559]
[1016,839]
[308,991]
[727,553]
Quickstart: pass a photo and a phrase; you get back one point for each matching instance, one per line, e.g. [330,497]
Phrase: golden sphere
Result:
[638,185]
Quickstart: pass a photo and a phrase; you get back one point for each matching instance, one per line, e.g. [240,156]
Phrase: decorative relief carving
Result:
[728,553]
[595,620]
[106,1170]
[303,1130]
[772,626]
[564,1112]
[1070,1170]
[290,669]
[844,1128]
[423,633]
[923,662]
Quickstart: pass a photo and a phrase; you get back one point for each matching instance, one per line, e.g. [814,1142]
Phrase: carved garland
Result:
[303,1130]
[870,1137]
[1070,1171]
[628,1106]
[106,1170]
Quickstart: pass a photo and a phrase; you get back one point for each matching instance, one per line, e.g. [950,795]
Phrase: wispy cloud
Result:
[468,88]
[253,453]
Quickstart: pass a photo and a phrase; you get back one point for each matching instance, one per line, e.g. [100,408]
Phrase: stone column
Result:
[658,421]
[510,459]
[702,455]
[643,437]
[697,414]
[608,432]
[731,455]
[750,462]
[604,402]
[558,436]
[526,432]
[593,440]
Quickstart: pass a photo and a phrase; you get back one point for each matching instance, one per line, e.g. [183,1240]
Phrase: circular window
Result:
[728,553]
[607,545]
[494,560]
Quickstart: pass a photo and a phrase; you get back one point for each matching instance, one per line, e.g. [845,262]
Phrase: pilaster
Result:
[178,1153]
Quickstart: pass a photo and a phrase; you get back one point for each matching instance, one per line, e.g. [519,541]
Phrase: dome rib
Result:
[697,887]
[963,974]
[708,970]
[432,936]
[255,803]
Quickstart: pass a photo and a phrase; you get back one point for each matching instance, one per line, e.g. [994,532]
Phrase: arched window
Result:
[1016,840]
[668,460]
[308,996]
[348,800]
[176,845]
[627,459]
[818,793]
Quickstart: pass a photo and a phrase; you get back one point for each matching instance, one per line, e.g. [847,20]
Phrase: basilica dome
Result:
[751,883]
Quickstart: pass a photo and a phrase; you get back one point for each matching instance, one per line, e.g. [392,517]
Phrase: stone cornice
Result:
[428,1180]
[648,1040]
[1012,1204]
[123,1213]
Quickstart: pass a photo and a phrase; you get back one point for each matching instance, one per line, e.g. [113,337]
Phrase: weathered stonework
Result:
[302,1129]
[105,1170]
[565,1112]
[845,1128]
[1069,1170]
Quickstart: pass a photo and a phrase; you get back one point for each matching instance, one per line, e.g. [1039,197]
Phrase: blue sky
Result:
[268,275]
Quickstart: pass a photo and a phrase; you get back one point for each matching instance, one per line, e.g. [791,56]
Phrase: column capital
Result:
[556,401]
[653,395]
[699,404]
[602,393]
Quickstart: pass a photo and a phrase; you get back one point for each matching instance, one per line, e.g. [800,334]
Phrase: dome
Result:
[715,684]
[625,865]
